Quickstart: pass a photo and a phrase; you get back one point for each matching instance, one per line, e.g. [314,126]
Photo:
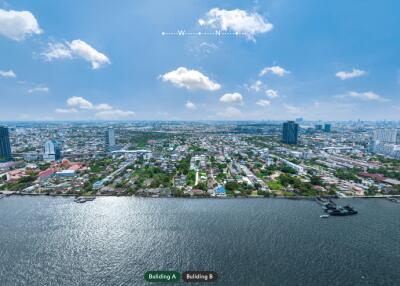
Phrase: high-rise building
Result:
[290,132]
[109,138]
[386,149]
[327,127]
[383,141]
[385,135]
[299,120]
[52,151]
[5,145]
[318,126]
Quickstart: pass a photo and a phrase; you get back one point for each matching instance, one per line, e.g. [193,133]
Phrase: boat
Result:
[324,216]
[321,200]
[342,211]
[331,208]
[84,199]
[392,199]
[350,209]
[336,212]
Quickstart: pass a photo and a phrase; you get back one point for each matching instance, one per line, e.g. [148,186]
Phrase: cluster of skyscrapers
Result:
[52,148]
[290,130]
[383,140]
[326,127]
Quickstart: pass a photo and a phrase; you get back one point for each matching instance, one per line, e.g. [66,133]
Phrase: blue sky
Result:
[321,60]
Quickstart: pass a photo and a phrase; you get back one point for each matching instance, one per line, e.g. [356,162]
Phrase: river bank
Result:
[9,193]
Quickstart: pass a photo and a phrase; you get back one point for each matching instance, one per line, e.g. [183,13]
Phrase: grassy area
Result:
[140,139]
[23,183]
[275,185]
[191,178]
[393,173]
[100,165]
[157,177]
[348,174]
[183,166]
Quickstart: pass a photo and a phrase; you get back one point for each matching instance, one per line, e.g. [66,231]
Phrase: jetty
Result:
[333,209]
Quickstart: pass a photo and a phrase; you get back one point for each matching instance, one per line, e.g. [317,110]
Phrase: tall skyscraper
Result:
[290,132]
[327,127]
[109,139]
[52,151]
[385,135]
[5,146]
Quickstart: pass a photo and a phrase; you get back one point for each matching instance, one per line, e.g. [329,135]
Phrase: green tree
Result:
[316,180]
[202,186]
[231,186]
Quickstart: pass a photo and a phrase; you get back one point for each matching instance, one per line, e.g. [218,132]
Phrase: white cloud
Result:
[277,70]
[102,111]
[190,105]
[238,21]
[8,73]
[369,95]
[343,75]
[43,89]
[190,79]
[103,106]
[87,52]
[256,86]
[263,102]
[230,112]
[77,101]
[17,25]
[114,114]
[66,110]
[271,93]
[76,49]
[231,97]
[82,103]
[58,51]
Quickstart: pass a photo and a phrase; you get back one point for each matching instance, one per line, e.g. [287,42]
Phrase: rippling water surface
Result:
[113,241]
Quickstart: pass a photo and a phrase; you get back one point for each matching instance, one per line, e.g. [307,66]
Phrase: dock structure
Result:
[333,209]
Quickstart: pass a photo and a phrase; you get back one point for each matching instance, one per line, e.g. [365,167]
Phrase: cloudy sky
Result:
[237,60]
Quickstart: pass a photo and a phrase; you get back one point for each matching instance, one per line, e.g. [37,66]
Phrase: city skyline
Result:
[196,141]
[317,61]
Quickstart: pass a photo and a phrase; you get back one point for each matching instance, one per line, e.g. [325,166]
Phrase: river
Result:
[115,240]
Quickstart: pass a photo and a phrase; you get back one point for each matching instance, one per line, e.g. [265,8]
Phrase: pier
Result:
[333,209]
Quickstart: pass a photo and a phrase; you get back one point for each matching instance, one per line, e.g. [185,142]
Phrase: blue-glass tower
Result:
[5,146]
[290,132]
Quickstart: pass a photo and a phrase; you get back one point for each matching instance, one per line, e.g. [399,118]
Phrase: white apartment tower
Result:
[109,139]
[385,135]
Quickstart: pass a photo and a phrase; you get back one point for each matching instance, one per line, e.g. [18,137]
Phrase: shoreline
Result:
[8,193]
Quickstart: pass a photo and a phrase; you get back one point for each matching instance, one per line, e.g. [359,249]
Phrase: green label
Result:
[162,276]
